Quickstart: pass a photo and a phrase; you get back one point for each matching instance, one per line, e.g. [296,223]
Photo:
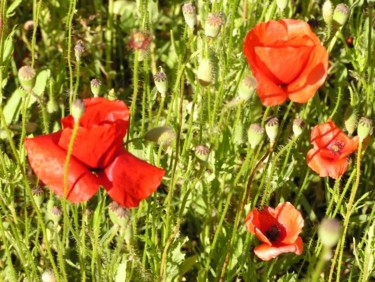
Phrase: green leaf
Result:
[13,106]
[8,46]
[13,7]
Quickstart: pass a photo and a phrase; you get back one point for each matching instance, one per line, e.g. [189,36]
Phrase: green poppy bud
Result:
[26,76]
[205,73]
[255,135]
[48,276]
[246,87]
[281,4]
[364,128]
[341,14]
[161,82]
[190,14]
[327,11]
[350,120]
[329,232]
[164,136]
[96,86]
[78,108]
[52,106]
[272,128]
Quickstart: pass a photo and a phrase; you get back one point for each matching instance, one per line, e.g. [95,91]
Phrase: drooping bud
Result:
[164,136]
[246,87]
[202,152]
[79,49]
[329,232]
[48,276]
[327,12]
[281,4]
[255,134]
[118,214]
[78,108]
[96,86]
[364,128]
[298,125]
[213,24]
[350,120]
[190,14]
[26,76]
[341,14]
[38,195]
[272,128]
[205,73]
[161,82]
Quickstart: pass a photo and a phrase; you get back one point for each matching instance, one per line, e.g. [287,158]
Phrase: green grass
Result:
[192,228]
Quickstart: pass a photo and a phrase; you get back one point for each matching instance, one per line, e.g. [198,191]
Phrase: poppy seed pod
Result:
[329,232]
[247,87]
[38,195]
[78,108]
[350,120]
[79,49]
[190,14]
[26,76]
[255,134]
[281,4]
[205,73]
[341,14]
[298,125]
[202,152]
[118,214]
[55,214]
[364,128]
[272,128]
[213,24]
[161,82]
[327,12]
[96,86]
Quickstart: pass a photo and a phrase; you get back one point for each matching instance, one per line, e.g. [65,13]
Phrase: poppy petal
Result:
[48,160]
[292,220]
[128,180]
[266,252]
[259,221]
[324,166]
[323,134]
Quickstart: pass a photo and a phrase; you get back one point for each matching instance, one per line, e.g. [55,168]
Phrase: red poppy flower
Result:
[287,59]
[278,229]
[98,157]
[331,149]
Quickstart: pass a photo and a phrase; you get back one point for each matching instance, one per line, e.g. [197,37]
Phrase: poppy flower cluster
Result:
[331,150]
[98,157]
[287,59]
[278,229]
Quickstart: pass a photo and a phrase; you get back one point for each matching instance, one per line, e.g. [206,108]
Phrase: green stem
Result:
[33,38]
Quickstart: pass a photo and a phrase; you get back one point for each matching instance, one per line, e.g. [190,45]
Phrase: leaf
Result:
[13,7]
[13,106]
[41,82]
[8,46]
[121,272]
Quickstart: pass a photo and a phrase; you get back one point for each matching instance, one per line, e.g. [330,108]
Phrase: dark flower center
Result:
[282,86]
[336,146]
[273,233]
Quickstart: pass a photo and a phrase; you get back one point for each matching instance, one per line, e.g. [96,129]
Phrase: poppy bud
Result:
[364,128]
[190,14]
[26,76]
[38,195]
[238,133]
[79,49]
[329,232]
[96,86]
[161,82]
[52,106]
[350,120]
[281,4]
[255,134]
[78,107]
[213,25]
[341,14]
[48,276]
[118,214]
[202,152]
[246,87]
[272,128]
[164,135]
[327,12]
[298,125]
[205,72]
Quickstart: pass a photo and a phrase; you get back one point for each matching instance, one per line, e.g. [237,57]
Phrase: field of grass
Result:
[255,119]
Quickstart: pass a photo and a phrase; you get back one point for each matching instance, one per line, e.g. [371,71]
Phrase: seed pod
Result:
[55,214]
[364,128]
[298,125]
[341,14]
[161,82]
[78,108]
[96,86]
[118,214]
[38,195]
[26,76]
[202,152]
[329,232]
[190,14]
[52,106]
[48,276]
[205,73]
[246,87]
[79,49]
[255,134]
[164,136]
[327,12]
[213,24]
[272,128]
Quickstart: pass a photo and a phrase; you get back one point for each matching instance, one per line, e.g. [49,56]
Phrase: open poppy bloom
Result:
[98,157]
[287,59]
[331,149]
[278,229]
